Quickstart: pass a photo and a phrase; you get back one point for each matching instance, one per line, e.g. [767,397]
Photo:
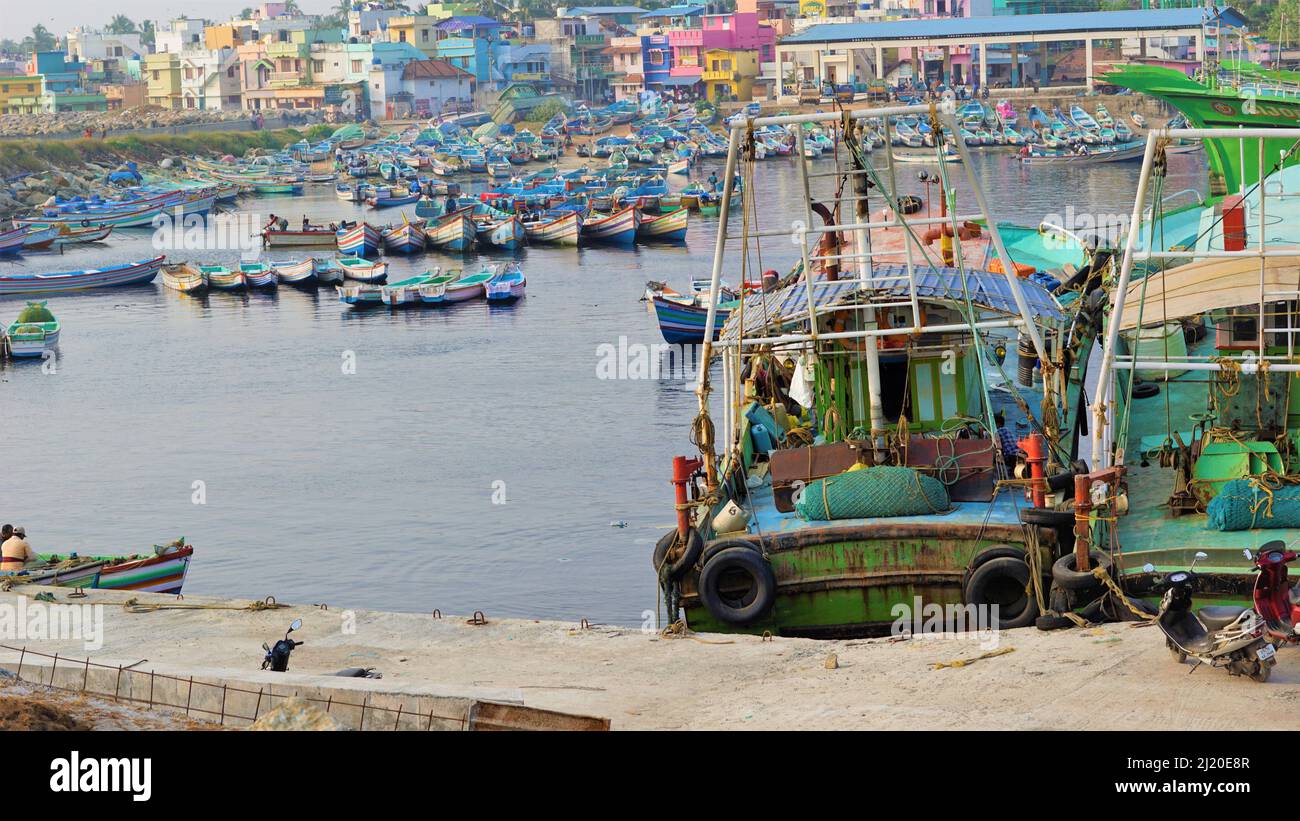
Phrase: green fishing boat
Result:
[862,467]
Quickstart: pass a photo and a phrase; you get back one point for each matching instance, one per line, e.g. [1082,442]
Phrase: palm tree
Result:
[120,24]
[41,39]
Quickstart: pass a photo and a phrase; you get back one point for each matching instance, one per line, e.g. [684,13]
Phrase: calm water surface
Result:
[376,489]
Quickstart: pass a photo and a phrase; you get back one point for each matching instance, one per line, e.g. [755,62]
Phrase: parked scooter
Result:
[1220,636]
[277,657]
[1276,601]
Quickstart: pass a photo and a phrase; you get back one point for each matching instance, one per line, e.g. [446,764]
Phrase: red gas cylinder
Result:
[1234,223]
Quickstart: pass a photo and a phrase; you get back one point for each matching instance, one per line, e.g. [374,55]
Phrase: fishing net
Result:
[871,493]
[1249,504]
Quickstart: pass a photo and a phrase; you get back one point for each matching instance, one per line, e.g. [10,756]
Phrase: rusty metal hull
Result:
[839,581]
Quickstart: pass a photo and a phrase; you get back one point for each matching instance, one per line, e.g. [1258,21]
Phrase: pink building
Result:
[737,32]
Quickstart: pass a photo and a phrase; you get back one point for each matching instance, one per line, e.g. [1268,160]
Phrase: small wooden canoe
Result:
[470,287]
[669,227]
[407,238]
[259,274]
[619,227]
[327,270]
[289,239]
[363,270]
[454,232]
[435,290]
[68,235]
[562,230]
[34,332]
[360,240]
[506,286]
[186,278]
[295,271]
[222,278]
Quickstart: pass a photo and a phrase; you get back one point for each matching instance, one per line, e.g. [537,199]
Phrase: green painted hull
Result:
[839,582]
[1205,107]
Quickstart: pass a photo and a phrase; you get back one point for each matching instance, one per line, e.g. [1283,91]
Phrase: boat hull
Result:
[683,323]
[133,273]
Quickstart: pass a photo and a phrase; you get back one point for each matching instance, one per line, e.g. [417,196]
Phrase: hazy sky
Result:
[58,16]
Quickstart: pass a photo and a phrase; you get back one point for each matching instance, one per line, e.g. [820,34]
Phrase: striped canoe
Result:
[163,572]
[360,240]
[130,273]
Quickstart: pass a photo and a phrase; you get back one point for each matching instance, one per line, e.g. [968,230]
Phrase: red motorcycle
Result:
[1276,601]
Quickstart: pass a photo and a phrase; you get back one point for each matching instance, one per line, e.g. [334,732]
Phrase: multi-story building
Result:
[628,73]
[87,45]
[520,62]
[21,93]
[162,72]
[419,88]
[737,33]
[181,34]
[729,74]
[118,96]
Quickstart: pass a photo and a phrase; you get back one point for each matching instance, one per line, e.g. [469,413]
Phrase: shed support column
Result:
[947,66]
[880,63]
[984,65]
[1087,62]
[1015,65]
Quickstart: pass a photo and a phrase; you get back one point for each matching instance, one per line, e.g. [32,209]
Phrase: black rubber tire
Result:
[1052,623]
[756,604]
[997,551]
[1067,578]
[988,584]
[1145,390]
[717,547]
[694,545]
[1175,651]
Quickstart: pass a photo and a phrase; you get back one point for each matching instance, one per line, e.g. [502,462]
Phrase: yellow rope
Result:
[679,630]
[939,665]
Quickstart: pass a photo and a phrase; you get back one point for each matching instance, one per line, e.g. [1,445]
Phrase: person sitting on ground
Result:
[16,552]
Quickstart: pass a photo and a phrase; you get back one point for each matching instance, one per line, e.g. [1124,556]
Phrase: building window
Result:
[356,66]
[424,36]
[317,65]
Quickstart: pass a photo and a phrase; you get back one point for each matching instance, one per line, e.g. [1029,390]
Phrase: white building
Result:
[210,78]
[181,34]
[89,44]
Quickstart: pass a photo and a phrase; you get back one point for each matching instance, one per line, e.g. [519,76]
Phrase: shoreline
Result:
[1103,678]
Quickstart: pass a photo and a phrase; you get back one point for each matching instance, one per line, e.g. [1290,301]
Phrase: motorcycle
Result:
[277,657]
[1220,636]
[1276,601]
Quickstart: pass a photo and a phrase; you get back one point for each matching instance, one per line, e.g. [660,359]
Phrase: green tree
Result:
[40,39]
[147,32]
[120,24]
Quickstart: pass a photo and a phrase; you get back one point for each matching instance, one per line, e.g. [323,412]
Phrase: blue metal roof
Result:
[674,11]
[1026,24]
[580,11]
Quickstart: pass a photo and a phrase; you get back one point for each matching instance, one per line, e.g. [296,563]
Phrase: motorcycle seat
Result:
[1217,617]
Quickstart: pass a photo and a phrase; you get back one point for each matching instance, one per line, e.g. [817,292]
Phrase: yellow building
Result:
[162,73]
[418,30]
[441,11]
[21,93]
[223,36]
[729,74]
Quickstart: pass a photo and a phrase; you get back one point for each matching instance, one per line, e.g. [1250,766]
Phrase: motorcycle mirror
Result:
[1148,568]
[1201,555]
[297,625]
[266,647]
[1245,551]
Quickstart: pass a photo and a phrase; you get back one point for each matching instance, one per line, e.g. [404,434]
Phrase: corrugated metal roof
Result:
[580,11]
[1093,21]
[988,290]
[674,11]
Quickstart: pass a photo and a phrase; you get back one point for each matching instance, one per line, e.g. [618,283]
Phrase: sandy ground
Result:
[28,706]
[1110,677]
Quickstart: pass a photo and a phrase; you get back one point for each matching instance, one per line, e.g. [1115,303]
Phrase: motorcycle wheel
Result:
[1262,671]
[1176,652]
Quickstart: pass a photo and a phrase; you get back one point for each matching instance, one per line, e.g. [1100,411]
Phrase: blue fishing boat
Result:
[619,227]
[362,240]
[129,273]
[506,286]
[682,321]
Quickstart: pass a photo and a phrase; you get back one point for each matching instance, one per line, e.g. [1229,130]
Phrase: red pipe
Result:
[682,470]
[1082,506]
[1035,457]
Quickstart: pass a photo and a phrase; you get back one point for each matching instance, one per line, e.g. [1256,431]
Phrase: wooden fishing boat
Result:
[221,278]
[362,240]
[328,270]
[669,227]
[163,571]
[258,274]
[619,227]
[393,200]
[435,290]
[295,271]
[289,239]
[682,166]
[682,322]
[277,188]
[562,230]
[507,233]
[454,232]
[67,235]
[406,291]
[11,242]
[40,239]
[506,286]
[34,332]
[360,294]
[470,287]
[407,238]
[349,193]
[184,277]
[363,270]
[129,273]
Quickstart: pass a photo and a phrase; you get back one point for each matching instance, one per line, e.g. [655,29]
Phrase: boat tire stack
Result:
[736,584]
[681,561]
[1000,576]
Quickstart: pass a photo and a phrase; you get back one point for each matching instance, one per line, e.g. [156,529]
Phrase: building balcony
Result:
[589,40]
[720,76]
[283,79]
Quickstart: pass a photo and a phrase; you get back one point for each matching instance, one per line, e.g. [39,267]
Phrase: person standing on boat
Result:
[16,551]
[1006,441]
[713,181]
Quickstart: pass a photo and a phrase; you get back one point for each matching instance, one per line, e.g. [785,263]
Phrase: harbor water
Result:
[469,457]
